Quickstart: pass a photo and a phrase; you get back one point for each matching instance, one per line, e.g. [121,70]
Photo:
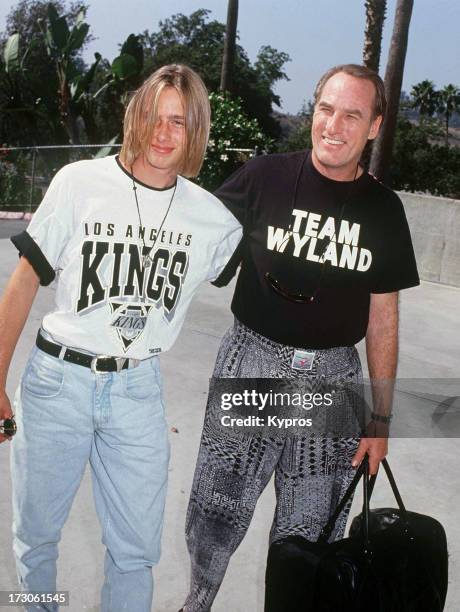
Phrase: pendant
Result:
[146,261]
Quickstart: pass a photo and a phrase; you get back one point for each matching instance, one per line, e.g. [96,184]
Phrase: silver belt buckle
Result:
[120,361]
[303,360]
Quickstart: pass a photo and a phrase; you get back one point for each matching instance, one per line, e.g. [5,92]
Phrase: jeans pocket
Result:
[44,376]
[142,383]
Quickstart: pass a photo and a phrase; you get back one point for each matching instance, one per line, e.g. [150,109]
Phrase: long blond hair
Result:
[141,115]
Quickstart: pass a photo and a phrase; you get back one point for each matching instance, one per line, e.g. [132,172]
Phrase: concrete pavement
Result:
[426,469]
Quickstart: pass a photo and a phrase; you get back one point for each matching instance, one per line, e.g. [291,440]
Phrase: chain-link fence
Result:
[25,172]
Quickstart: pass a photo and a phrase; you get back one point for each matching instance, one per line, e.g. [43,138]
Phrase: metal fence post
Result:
[32,182]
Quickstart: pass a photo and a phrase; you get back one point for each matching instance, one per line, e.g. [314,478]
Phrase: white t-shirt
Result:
[86,232]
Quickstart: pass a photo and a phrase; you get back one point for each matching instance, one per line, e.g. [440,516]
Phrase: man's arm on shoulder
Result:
[15,306]
[382,359]
[234,195]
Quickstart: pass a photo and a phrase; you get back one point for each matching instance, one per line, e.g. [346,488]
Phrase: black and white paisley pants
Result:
[311,473]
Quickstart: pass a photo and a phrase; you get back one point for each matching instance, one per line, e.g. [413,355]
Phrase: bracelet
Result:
[380,418]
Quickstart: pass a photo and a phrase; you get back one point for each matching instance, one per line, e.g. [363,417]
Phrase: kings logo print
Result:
[114,273]
[129,321]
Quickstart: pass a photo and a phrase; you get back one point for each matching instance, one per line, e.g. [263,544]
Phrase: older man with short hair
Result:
[326,249]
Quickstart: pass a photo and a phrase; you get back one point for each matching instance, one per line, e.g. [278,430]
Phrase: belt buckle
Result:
[303,360]
[120,362]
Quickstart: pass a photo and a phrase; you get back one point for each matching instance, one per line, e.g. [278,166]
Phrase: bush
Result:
[14,188]
[230,129]
[419,165]
[297,130]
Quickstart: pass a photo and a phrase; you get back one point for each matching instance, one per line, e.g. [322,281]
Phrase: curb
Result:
[27,216]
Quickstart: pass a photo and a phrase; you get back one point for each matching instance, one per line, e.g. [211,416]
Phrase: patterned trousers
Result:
[311,473]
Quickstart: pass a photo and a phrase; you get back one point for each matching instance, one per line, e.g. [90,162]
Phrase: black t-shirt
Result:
[293,216]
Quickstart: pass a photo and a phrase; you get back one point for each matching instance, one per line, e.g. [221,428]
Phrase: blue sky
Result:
[316,35]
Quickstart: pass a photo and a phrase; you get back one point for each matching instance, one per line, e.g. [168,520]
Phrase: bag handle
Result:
[366,500]
[392,482]
[368,487]
[394,488]
[328,528]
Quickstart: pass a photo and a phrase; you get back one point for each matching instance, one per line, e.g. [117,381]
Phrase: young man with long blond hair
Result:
[128,240]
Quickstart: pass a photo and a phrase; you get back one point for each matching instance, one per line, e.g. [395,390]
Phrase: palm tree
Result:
[448,103]
[229,46]
[425,98]
[375,16]
[382,150]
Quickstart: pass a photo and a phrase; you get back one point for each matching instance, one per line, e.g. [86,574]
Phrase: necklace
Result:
[334,235]
[146,253]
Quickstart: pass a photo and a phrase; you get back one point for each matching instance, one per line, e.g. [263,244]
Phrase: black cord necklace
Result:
[302,298]
[334,235]
[146,254]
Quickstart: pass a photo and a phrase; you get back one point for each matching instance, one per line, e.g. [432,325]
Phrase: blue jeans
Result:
[67,415]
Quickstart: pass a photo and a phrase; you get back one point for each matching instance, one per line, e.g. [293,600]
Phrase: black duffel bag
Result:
[393,561]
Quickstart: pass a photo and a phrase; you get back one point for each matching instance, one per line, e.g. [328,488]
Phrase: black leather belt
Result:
[97,363]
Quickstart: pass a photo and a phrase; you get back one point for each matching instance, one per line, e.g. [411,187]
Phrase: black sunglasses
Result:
[299,298]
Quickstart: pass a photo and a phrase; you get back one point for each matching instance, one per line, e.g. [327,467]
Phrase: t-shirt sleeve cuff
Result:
[397,287]
[229,271]
[28,248]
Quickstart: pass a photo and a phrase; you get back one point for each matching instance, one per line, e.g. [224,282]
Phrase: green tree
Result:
[383,144]
[228,58]
[198,42]
[429,102]
[425,98]
[448,104]
[107,99]
[37,81]
[298,130]
[13,186]
[90,103]
[62,43]
[231,129]
[420,165]
[375,17]
[16,106]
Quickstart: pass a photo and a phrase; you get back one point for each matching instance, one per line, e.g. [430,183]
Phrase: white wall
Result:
[435,227]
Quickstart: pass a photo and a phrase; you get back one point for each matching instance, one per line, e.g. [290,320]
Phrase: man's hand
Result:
[376,448]
[5,413]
